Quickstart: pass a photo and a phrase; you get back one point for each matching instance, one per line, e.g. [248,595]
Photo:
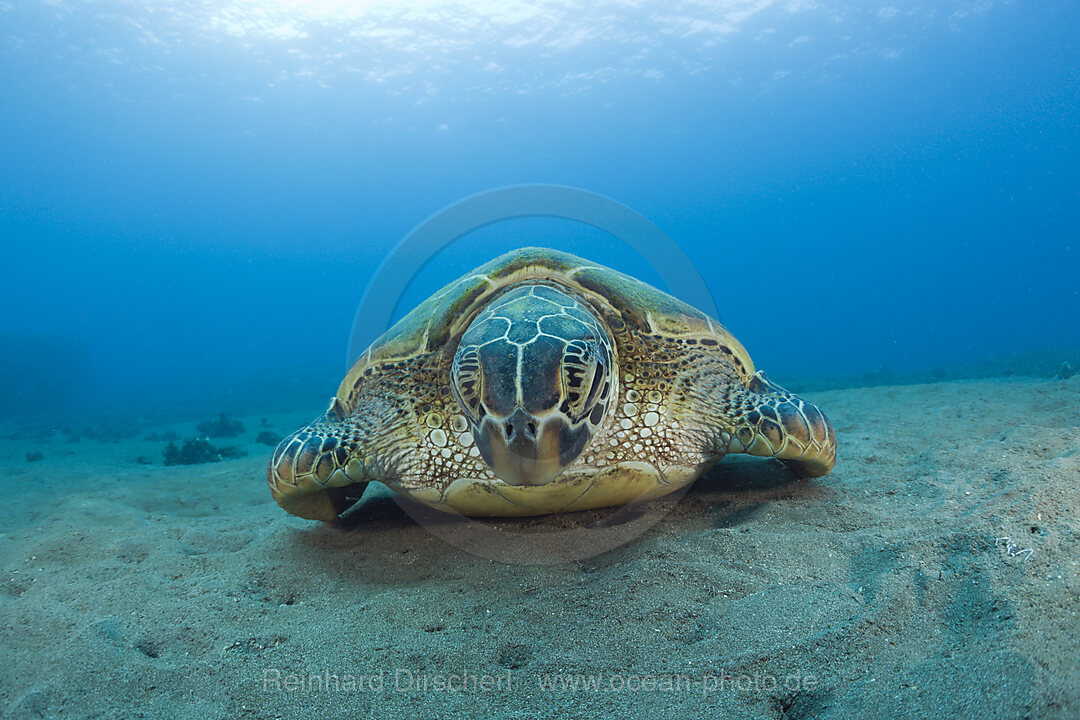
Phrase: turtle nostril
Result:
[518,425]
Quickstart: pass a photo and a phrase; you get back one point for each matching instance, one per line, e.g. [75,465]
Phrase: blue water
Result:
[193,197]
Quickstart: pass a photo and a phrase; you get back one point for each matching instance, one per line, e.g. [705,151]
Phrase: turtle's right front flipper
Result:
[319,471]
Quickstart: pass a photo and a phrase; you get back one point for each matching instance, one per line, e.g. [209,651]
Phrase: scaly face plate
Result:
[533,374]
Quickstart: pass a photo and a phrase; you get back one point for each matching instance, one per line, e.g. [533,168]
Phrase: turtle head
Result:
[533,373]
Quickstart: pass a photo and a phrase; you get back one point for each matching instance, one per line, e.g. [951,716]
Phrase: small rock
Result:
[222,427]
[198,450]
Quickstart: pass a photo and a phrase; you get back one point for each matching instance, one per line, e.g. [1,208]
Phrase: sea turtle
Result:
[540,383]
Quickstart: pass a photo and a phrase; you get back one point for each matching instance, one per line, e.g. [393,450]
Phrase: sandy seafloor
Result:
[881,590]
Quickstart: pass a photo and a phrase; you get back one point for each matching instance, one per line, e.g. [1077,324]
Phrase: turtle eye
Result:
[468,381]
[599,380]
[583,378]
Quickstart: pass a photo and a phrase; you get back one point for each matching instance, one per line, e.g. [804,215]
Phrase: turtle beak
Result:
[524,450]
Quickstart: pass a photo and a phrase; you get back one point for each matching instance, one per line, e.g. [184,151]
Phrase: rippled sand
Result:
[934,573]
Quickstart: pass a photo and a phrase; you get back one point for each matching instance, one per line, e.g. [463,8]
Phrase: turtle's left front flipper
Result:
[321,470]
[772,422]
